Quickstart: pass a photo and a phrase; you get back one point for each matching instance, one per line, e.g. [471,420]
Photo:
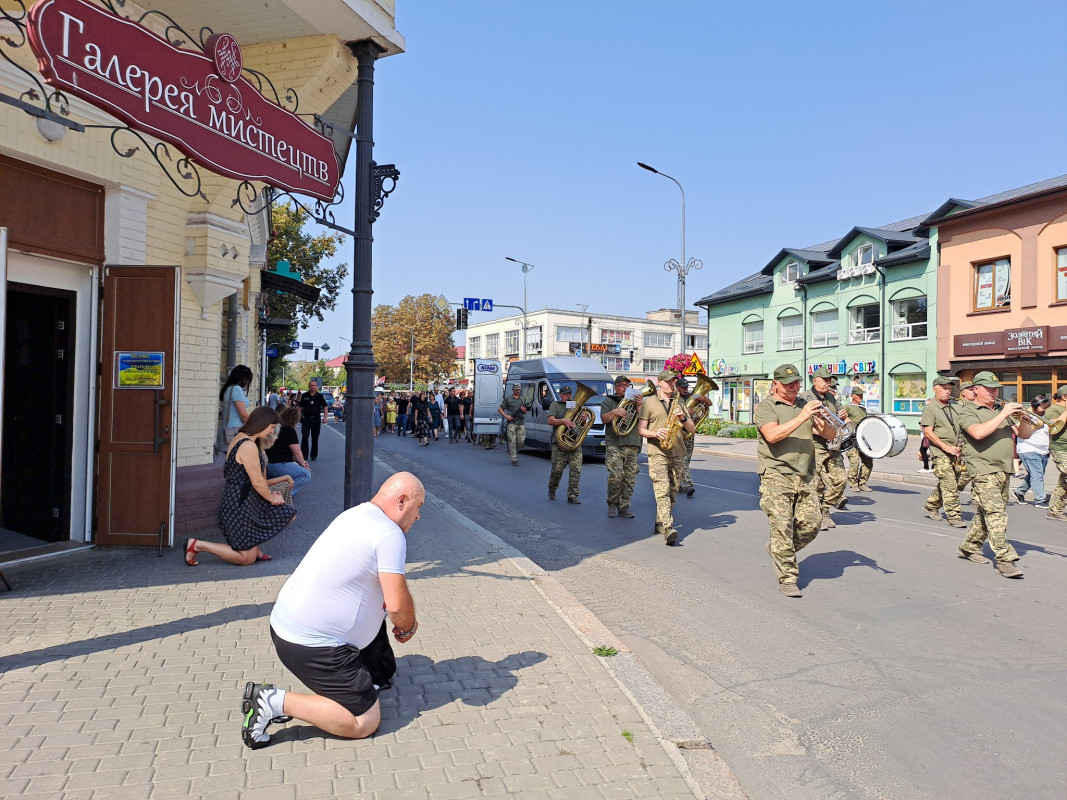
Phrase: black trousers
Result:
[310,430]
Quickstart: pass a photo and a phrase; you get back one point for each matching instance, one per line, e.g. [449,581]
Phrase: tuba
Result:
[624,425]
[570,439]
[698,411]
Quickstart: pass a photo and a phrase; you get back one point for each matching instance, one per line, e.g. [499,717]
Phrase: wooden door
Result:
[137,323]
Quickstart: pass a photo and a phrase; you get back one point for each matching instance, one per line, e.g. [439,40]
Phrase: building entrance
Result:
[38,412]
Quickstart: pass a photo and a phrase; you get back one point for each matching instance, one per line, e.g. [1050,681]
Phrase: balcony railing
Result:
[914,330]
[790,342]
[824,339]
[754,347]
[861,335]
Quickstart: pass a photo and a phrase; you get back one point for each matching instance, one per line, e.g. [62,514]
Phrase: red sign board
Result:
[978,344]
[197,102]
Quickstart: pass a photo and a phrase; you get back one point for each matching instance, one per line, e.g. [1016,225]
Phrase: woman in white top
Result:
[1033,452]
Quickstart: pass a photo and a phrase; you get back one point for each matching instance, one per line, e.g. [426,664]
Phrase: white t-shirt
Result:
[334,597]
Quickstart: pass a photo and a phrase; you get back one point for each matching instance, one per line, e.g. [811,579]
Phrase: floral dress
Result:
[246,519]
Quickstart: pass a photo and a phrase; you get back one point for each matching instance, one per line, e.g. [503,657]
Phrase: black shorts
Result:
[334,672]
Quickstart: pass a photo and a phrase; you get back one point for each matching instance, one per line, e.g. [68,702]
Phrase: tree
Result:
[304,252]
[391,336]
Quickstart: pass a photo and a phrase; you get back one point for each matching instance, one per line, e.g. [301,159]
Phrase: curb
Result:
[700,766]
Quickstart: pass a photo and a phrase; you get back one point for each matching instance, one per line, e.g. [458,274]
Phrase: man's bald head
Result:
[400,498]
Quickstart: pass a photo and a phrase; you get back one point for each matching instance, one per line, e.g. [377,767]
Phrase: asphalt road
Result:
[904,672]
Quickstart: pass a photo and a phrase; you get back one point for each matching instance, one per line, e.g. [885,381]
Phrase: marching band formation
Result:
[801,446]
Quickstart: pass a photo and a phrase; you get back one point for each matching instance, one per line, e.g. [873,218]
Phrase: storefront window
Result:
[909,393]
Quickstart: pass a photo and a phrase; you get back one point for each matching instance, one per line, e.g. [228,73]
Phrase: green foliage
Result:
[735,431]
[605,652]
[305,253]
[710,426]
[392,329]
[628,736]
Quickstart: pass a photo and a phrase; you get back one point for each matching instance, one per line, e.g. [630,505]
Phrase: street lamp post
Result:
[525,271]
[683,266]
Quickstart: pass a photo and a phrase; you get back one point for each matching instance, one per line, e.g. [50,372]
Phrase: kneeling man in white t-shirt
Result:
[331,608]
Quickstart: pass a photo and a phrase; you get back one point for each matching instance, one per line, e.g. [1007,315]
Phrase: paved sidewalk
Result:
[121,675]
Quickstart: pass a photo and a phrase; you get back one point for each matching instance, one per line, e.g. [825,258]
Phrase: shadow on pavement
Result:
[827,566]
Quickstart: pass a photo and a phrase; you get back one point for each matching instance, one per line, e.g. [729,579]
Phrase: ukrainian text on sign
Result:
[197,102]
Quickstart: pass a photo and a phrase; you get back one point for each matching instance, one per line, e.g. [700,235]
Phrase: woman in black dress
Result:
[421,414]
[253,509]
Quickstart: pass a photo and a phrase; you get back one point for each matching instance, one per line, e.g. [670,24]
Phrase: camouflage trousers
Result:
[487,440]
[621,462]
[561,459]
[829,477]
[947,491]
[859,468]
[990,521]
[687,476]
[792,509]
[516,439]
[666,474]
[1058,499]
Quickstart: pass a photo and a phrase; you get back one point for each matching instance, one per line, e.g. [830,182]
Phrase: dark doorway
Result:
[38,410]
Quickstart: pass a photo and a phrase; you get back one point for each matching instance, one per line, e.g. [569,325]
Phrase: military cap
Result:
[786,373]
[857,390]
[941,380]
[986,379]
[668,375]
[1061,392]
[566,389]
[622,379]
[966,385]
[821,372]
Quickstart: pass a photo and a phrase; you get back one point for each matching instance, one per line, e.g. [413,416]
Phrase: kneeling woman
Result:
[253,509]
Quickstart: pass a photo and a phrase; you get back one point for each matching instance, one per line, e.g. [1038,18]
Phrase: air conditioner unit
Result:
[868,269]
[853,272]
[842,274]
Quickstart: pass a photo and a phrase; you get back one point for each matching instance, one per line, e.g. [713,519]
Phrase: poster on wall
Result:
[984,291]
[138,370]
[909,394]
[760,390]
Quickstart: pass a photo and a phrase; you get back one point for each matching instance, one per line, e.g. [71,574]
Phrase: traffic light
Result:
[316,354]
[461,319]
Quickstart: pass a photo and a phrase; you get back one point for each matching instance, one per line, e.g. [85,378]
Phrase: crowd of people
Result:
[425,415]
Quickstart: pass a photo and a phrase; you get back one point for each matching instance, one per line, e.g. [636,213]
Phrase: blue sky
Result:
[517,127]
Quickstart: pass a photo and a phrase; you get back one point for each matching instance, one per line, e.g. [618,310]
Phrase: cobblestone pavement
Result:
[121,675]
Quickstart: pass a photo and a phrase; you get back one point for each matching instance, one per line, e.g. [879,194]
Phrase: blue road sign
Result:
[487,305]
[308,345]
[295,345]
[272,352]
[472,304]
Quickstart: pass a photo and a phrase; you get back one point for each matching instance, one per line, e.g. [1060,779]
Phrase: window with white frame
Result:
[656,339]
[790,272]
[570,333]
[697,341]
[616,364]
[791,333]
[992,285]
[824,328]
[653,366]
[864,254]
[492,345]
[753,336]
[865,324]
[474,347]
[533,339]
[909,318]
[511,342]
[616,337]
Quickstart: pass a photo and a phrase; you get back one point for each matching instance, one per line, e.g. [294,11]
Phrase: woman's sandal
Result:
[190,553]
[262,556]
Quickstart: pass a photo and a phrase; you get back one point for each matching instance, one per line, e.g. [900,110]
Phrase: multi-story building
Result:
[866,307]
[634,345]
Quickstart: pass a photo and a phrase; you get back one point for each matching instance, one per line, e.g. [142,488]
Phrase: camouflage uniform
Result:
[664,466]
[516,430]
[1057,450]
[830,477]
[859,465]
[943,420]
[991,468]
[620,459]
[687,476]
[562,458]
[787,486]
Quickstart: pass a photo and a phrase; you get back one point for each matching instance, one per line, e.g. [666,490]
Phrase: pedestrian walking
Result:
[313,414]
[454,411]
[513,409]
[622,452]
[571,460]
[660,424]
[860,465]
[941,428]
[1033,452]
[328,623]
[830,478]
[390,414]
[1057,504]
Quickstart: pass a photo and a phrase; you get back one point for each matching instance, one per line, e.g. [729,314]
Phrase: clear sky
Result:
[517,127]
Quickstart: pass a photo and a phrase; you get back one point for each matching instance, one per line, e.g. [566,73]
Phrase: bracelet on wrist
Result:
[404,634]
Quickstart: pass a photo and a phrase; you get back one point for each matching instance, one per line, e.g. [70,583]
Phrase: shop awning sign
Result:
[197,102]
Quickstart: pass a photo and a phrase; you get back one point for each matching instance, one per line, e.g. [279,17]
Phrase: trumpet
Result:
[625,424]
[844,438]
[1036,421]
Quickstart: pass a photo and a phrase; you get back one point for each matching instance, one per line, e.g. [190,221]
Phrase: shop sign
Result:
[978,344]
[596,348]
[139,370]
[1057,337]
[864,367]
[197,102]
[720,367]
[1027,340]
[834,367]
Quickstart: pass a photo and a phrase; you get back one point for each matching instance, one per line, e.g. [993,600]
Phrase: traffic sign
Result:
[472,304]
[441,302]
[487,305]
[295,345]
[272,352]
[325,347]
[308,345]
[694,367]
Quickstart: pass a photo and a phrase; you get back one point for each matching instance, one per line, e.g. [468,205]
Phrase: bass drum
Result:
[879,437]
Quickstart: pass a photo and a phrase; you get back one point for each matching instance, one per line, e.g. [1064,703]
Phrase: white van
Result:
[541,379]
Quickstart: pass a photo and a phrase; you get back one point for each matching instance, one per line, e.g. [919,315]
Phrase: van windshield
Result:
[601,387]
